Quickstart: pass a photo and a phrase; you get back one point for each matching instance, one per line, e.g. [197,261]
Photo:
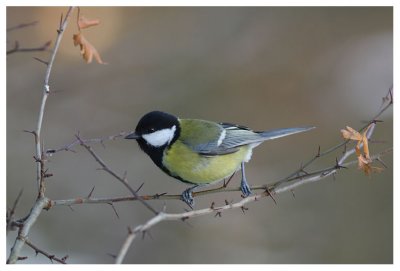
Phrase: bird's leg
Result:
[187,196]
[244,186]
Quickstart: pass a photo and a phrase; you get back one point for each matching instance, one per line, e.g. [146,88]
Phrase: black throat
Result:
[156,153]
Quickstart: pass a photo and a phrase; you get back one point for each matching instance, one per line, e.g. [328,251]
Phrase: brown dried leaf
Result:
[365,141]
[364,159]
[88,51]
[350,133]
[84,22]
[365,165]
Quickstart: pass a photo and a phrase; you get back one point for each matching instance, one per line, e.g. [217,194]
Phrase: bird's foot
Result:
[245,188]
[187,197]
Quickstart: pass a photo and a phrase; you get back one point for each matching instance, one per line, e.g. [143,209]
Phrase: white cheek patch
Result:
[161,137]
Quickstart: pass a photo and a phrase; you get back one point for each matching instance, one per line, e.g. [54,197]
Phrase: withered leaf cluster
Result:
[88,51]
[364,158]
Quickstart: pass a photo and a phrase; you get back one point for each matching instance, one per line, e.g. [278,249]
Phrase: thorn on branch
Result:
[157,196]
[344,149]
[219,214]
[59,30]
[388,97]
[212,205]
[51,257]
[47,175]
[269,193]
[130,231]
[21,258]
[91,192]
[381,161]
[37,160]
[318,152]
[113,207]
[337,166]
[41,61]
[375,121]
[226,183]
[301,170]
[140,187]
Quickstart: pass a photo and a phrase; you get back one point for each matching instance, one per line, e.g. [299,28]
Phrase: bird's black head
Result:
[154,132]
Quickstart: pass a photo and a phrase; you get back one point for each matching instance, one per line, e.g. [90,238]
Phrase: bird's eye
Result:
[151,130]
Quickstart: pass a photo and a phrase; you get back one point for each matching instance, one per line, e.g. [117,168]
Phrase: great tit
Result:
[200,152]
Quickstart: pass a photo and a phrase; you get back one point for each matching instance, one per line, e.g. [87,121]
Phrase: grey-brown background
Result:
[262,67]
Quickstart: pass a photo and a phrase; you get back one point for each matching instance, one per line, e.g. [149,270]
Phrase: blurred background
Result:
[263,67]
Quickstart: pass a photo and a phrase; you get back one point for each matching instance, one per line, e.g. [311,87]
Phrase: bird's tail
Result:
[277,133]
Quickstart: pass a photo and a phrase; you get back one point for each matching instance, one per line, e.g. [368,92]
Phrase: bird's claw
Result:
[245,188]
[187,197]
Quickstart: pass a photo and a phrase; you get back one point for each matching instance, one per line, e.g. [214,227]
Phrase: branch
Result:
[24,230]
[51,257]
[281,186]
[23,25]
[70,146]
[115,175]
[273,188]
[163,216]
[125,246]
[18,49]
[41,201]
[46,92]
[387,102]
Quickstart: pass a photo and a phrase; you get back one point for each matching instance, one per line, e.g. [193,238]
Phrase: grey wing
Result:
[231,139]
[236,136]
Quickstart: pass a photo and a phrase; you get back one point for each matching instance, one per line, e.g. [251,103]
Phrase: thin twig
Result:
[115,175]
[69,146]
[291,182]
[11,212]
[287,184]
[163,216]
[23,25]
[51,257]
[46,92]
[41,201]
[17,48]
[388,100]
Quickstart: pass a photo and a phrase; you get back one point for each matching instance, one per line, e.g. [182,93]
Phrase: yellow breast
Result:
[199,169]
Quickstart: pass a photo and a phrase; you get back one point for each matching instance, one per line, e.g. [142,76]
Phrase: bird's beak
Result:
[132,136]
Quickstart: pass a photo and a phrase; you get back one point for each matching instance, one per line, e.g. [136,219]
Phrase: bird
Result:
[200,152]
